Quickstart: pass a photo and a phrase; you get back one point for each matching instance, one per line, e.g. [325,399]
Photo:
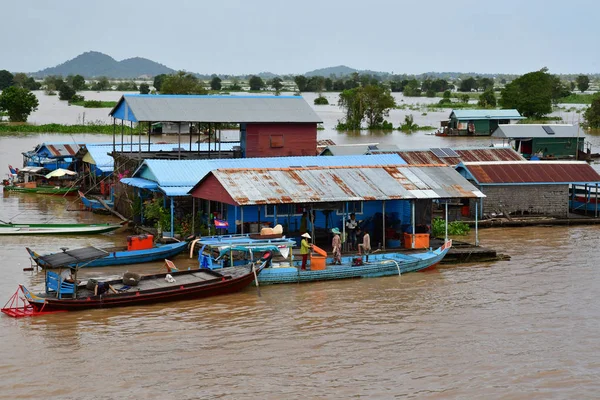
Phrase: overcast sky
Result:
[251,36]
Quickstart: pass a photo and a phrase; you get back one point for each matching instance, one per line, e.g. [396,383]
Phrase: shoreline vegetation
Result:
[59,128]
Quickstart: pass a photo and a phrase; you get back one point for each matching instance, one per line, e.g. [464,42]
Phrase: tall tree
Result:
[144,88]
[487,99]
[101,84]
[158,80]
[277,84]
[18,103]
[78,82]
[583,82]
[412,88]
[467,85]
[182,83]
[301,82]
[66,92]
[531,94]
[256,83]
[215,83]
[6,79]
[592,113]
[378,102]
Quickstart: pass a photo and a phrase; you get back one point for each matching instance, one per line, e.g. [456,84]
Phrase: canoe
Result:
[43,189]
[56,229]
[158,288]
[155,253]
[321,267]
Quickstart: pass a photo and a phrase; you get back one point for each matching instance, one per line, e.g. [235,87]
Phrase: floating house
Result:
[174,179]
[358,148]
[51,156]
[526,187]
[453,157]
[390,200]
[477,122]
[544,141]
[270,126]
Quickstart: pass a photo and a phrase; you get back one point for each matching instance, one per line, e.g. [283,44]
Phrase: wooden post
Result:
[122,132]
[172,218]
[412,218]
[476,226]
[446,224]
[383,224]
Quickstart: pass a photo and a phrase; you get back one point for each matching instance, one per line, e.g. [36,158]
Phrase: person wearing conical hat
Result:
[336,244]
[305,248]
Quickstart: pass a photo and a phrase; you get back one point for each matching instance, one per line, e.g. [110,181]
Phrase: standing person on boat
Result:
[351,226]
[305,249]
[336,244]
[365,245]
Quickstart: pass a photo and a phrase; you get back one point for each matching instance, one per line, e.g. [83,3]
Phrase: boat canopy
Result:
[73,257]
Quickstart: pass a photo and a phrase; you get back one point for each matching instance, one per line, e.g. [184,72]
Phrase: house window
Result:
[276,141]
[282,210]
[355,207]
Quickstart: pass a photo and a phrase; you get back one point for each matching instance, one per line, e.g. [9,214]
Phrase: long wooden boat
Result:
[158,288]
[43,189]
[122,257]
[56,229]
[321,267]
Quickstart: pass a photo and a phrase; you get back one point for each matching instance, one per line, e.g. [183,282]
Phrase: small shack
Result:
[526,187]
[51,156]
[533,141]
[477,122]
[454,156]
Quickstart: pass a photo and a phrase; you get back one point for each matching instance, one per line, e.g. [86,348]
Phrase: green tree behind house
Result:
[531,94]
[583,82]
[215,83]
[158,80]
[592,113]
[18,103]
[144,88]
[256,83]
[6,79]
[487,99]
[182,83]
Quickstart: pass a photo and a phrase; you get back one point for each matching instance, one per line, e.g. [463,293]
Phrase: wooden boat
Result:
[321,267]
[42,189]
[124,256]
[95,205]
[56,229]
[60,295]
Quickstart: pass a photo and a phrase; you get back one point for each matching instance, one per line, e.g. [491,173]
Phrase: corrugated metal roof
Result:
[105,162]
[190,172]
[486,114]
[331,184]
[537,131]
[233,109]
[55,150]
[358,149]
[530,172]
[413,157]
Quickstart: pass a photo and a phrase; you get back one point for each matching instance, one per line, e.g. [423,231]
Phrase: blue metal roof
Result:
[105,162]
[178,177]
[140,183]
[486,114]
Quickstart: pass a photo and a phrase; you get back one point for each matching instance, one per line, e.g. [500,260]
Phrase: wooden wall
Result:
[277,140]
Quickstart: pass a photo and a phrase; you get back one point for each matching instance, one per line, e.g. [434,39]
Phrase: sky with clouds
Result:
[244,37]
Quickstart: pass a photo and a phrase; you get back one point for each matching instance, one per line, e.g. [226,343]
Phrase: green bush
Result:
[455,228]
[321,101]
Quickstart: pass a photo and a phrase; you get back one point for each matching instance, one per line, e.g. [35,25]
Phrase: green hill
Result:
[94,64]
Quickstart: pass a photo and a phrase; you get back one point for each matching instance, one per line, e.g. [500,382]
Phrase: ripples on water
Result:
[522,329]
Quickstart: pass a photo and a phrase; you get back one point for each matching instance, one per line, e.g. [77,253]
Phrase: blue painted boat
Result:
[157,252]
[378,264]
[94,204]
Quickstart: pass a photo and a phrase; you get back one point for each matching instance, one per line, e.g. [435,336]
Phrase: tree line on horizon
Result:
[365,98]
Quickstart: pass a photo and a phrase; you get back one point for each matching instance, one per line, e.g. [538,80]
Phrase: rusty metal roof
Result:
[331,184]
[414,157]
[55,150]
[529,172]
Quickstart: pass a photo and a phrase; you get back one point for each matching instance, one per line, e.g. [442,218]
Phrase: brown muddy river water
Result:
[520,329]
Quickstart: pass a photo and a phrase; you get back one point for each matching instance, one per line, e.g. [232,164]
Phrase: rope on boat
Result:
[389,261]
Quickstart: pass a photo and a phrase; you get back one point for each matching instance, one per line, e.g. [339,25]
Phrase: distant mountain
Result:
[339,71]
[94,64]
